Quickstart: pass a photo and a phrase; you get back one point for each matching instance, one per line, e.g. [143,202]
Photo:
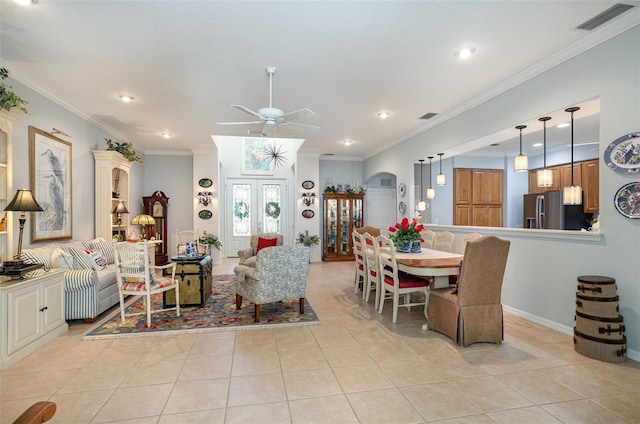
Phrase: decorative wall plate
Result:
[402,189]
[308,185]
[402,208]
[205,182]
[205,214]
[623,154]
[627,200]
[308,213]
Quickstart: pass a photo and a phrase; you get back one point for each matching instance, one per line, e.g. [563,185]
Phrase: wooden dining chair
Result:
[361,262]
[427,237]
[372,281]
[443,241]
[396,283]
[374,231]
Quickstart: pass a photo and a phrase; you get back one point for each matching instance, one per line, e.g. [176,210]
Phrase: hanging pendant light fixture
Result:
[545,176]
[431,192]
[521,161]
[422,205]
[572,195]
[440,178]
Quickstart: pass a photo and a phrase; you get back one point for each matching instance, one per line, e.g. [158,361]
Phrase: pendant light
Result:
[572,195]
[431,192]
[440,178]
[545,176]
[422,205]
[522,161]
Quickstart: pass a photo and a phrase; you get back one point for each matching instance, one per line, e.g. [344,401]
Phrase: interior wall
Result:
[541,274]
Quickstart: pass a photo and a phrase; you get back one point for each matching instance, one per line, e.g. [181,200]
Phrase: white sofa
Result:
[88,292]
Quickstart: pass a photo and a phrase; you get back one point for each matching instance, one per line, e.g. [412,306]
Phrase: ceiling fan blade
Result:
[297,114]
[249,111]
[239,123]
[298,126]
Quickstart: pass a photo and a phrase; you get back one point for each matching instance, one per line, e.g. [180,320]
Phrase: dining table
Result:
[430,263]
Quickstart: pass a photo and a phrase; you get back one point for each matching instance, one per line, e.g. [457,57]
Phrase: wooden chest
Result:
[194,275]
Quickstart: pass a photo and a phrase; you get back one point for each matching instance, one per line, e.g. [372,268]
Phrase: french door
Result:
[254,206]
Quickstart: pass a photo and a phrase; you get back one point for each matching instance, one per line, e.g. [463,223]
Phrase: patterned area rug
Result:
[218,314]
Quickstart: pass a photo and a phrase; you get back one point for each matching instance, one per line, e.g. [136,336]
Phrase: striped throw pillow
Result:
[106,248]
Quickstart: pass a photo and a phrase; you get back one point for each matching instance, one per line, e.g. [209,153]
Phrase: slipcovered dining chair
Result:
[396,283]
[426,238]
[472,311]
[372,281]
[256,243]
[135,276]
[280,274]
[361,264]
[443,241]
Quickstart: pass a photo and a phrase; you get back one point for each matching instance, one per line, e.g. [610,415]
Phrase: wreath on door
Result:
[272,209]
[241,210]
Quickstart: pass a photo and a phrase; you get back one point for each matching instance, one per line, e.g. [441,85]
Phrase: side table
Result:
[194,274]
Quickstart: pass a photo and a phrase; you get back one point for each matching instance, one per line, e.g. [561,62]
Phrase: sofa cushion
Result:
[265,242]
[61,259]
[106,277]
[38,255]
[88,259]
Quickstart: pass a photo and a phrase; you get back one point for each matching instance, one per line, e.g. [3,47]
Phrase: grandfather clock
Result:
[156,206]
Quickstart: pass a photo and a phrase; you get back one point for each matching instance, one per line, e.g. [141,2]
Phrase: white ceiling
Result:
[186,62]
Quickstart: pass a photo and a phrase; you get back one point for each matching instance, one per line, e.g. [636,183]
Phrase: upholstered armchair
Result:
[472,311]
[248,256]
[280,274]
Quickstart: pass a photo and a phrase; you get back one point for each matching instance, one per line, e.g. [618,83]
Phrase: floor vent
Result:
[604,17]
[428,115]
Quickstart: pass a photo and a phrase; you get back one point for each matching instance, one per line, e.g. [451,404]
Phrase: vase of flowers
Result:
[406,235]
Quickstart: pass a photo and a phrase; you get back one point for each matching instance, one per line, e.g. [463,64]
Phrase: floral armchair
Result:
[248,256]
[280,274]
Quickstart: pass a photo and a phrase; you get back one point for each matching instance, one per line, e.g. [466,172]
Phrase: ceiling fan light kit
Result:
[272,117]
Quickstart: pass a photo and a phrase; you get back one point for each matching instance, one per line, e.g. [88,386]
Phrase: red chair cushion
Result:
[265,242]
[407,281]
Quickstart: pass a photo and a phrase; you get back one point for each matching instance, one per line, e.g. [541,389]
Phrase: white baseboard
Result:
[631,354]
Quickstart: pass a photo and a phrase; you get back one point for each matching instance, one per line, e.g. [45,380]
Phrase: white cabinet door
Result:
[53,302]
[24,317]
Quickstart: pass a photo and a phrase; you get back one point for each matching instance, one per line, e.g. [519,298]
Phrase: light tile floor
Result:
[355,366]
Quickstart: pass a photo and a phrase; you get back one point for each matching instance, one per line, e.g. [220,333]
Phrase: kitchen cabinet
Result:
[565,175]
[112,173]
[591,186]
[156,206]
[477,197]
[342,214]
[31,313]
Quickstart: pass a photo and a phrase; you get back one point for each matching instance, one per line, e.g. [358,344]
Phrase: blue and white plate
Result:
[623,154]
[627,200]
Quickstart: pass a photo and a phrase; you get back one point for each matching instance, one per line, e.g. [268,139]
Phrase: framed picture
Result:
[50,177]
[254,158]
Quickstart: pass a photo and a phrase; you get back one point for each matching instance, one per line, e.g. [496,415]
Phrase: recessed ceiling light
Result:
[383,115]
[166,134]
[126,98]
[465,53]
[563,125]
[537,144]
[347,142]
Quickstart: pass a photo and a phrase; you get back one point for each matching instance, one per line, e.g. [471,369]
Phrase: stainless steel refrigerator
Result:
[546,211]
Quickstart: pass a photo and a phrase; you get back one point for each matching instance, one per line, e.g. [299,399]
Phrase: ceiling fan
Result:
[272,117]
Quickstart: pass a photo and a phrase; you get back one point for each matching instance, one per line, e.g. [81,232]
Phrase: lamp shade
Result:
[120,208]
[572,195]
[23,201]
[431,193]
[545,177]
[143,220]
[440,179]
[521,163]
[422,205]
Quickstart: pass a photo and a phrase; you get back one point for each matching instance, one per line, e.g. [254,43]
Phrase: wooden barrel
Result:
[601,349]
[604,328]
[602,307]
[597,286]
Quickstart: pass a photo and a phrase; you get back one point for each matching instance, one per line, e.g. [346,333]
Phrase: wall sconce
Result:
[205,197]
[308,199]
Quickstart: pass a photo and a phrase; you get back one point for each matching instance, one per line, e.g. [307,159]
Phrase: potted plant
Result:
[125,149]
[307,239]
[9,99]
[211,240]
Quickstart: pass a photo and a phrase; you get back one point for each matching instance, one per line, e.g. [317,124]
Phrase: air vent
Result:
[385,182]
[428,115]
[604,17]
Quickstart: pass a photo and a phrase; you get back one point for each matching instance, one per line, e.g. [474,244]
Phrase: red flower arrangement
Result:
[405,230]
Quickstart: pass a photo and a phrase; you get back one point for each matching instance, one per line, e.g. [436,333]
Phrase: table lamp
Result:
[143,220]
[119,210]
[22,202]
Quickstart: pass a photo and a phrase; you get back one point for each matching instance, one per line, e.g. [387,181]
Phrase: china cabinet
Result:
[6,193]
[112,173]
[342,214]
[156,206]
